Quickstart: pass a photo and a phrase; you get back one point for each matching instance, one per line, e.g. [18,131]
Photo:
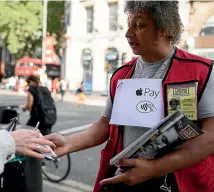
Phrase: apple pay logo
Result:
[145,107]
[147,92]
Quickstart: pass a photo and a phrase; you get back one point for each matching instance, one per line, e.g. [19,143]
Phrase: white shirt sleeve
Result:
[206,104]
[7,148]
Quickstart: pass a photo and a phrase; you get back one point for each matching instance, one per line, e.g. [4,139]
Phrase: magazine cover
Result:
[171,132]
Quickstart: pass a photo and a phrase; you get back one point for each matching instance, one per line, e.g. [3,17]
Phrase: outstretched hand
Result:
[62,147]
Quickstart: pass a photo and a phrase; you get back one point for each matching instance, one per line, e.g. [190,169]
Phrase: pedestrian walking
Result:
[80,96]
[63,88]
[55,87]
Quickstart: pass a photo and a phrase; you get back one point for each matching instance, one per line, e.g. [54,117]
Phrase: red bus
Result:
[28,66]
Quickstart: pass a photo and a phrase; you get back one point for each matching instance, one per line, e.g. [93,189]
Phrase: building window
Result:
[90,19]
[113,7]
[87,63]
[111,63]
[208,27]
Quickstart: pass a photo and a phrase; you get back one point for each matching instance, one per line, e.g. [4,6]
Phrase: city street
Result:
[87,61]
[70,117]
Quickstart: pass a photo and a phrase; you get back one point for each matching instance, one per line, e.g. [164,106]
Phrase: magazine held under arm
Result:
[171,132]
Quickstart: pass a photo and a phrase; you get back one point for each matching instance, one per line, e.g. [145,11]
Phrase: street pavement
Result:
[71,118]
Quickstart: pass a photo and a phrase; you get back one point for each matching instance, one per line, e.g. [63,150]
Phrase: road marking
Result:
[75,129]
[65,122]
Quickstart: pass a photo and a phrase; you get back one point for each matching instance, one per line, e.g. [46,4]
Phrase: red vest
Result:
[184,67]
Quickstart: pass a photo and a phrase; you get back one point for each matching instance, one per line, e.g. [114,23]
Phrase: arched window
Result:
[111,63]
[112,59]
[208,27]
[87,63]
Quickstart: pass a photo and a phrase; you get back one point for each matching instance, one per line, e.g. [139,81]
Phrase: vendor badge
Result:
[184,97]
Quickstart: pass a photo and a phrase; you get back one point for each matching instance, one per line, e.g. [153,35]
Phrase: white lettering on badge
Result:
[147,92]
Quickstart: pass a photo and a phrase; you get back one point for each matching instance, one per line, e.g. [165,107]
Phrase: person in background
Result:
[23,142]
[21,84]
[16,88]
[55,87]
[49,84]
[33,104]
[80,94]
[12,82]
[63,88]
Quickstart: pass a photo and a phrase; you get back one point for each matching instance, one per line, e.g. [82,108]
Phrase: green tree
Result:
[55,23]
[20,24]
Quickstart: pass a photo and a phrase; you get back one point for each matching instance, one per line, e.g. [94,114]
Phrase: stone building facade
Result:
[96,45]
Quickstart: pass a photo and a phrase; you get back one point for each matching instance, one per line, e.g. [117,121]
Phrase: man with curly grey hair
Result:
[165,16]
[154,27]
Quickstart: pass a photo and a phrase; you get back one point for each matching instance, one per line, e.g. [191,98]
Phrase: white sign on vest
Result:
[138,102]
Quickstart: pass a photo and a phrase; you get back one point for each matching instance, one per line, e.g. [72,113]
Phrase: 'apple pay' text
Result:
[147,92]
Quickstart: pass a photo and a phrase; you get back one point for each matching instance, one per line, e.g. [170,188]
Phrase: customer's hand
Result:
[28,143]
[62,146]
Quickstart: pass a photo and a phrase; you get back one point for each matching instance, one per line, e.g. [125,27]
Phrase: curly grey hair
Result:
[165,14]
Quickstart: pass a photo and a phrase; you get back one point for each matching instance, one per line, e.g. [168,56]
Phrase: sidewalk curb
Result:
[88,102]
[7,92]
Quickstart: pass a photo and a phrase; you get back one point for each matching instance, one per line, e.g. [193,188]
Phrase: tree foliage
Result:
[21,25]
[55,23]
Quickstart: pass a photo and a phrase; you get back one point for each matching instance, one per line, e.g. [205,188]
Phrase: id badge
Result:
[183,96]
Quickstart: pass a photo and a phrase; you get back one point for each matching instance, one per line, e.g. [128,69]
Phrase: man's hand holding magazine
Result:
[166,144]
[139,171]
